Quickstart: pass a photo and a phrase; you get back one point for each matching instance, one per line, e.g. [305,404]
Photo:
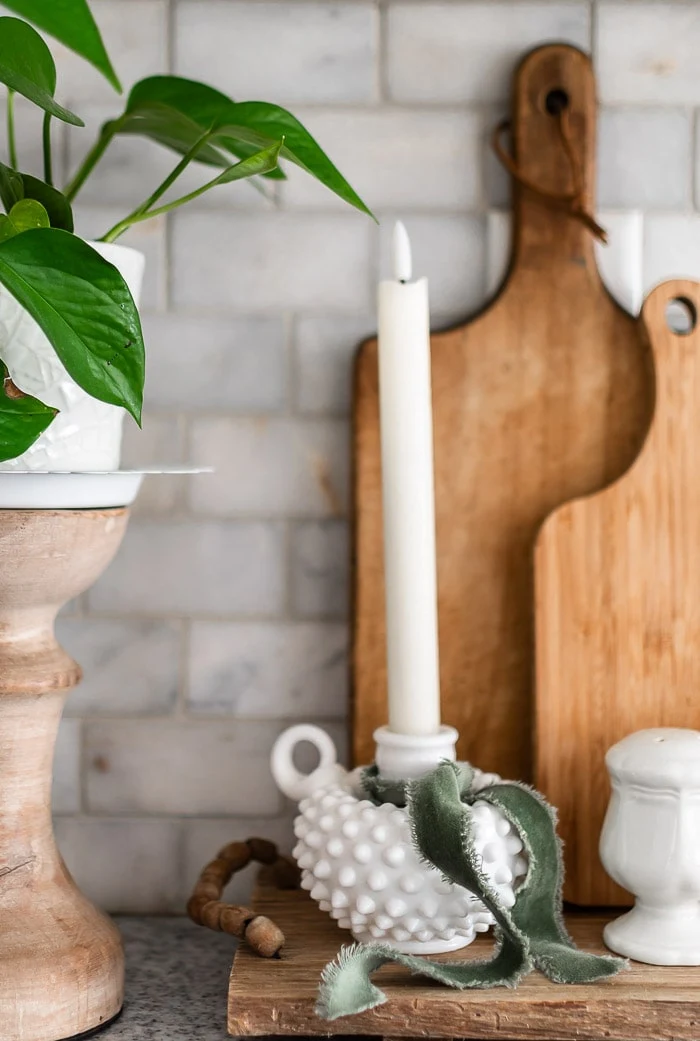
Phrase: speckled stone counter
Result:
[176,982]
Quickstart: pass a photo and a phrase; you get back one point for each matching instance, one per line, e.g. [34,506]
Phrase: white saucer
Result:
[88,490]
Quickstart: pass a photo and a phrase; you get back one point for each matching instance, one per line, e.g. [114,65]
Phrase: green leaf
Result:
[53,201]
[71,22]
[175,112]
[11,186]
[24,215]
[15,186]
[256,165]
[85,309]
[26,66]
[22,420]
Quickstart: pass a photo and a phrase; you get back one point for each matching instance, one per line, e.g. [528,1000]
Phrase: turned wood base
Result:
[61,960]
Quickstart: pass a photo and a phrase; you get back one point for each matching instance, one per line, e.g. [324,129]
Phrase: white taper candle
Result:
[408,498]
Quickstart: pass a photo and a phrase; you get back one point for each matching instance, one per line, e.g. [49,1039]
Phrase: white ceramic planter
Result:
[86,434]
[650,845]
[359,863]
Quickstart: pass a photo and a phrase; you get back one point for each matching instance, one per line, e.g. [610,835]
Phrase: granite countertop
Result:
[176,981]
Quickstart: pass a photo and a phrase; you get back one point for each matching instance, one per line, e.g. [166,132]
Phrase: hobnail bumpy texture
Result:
[359,863]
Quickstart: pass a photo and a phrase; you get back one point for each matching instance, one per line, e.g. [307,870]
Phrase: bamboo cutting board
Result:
[618,607]
[544,396]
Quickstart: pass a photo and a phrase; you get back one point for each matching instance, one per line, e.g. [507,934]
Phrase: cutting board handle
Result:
[548,79]
[673,443]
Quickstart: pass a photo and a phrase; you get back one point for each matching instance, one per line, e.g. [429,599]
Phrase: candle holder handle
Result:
[291,781]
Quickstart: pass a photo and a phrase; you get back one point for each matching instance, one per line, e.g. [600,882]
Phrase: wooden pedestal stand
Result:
[277,997]
[61,960]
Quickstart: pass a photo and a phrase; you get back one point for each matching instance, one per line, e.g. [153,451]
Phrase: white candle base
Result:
[407,756]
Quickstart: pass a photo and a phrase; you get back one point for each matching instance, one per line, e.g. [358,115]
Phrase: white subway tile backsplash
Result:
[280,52]
[646,53]
[124,866]
[195,567]
[135,33]
[643,158]
[671,247]
[395,159]
[180,767]
[287,261]
[271,466]
[131,668]
[261,670]
[203,363]
[324,351]
[320,569]
[455,52]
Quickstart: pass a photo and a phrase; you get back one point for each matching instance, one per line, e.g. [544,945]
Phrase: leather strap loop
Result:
[572,202]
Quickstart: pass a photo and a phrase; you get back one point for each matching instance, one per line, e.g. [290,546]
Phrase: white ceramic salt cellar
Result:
[650,845]
[358,860]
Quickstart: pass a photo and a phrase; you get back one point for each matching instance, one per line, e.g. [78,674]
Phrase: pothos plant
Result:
[79,300]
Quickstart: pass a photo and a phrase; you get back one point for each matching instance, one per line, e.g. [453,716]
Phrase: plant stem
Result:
[11,143]
[91,159]
[46,139]
[144,212]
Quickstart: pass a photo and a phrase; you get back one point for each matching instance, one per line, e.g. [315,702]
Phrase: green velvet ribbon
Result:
[530,935]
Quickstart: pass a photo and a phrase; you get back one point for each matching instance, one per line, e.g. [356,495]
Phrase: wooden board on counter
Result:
[277,997]
[544,396]
[618,606]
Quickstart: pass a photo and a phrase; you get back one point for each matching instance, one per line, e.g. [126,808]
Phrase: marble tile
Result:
[643,158]
[261,670]
[271,467]
[320,569]
[180,767]
[456,52]
[288,261]
[394,158]
[325,348]
[190,567]
[207,363]
[280,52]
[130,667]
[646,53]
[130,866]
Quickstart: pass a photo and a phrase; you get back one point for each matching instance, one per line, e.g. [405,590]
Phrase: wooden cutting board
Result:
[542,397]
[618,607]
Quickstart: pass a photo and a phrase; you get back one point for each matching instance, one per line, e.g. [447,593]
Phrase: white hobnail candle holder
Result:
[358,860]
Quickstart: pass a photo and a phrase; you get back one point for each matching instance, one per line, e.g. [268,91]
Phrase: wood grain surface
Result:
[61,960]
[618,607]
[544,396]
[267,997]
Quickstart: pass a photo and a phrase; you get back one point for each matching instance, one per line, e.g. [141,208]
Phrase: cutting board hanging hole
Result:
[556,101]
[681,316]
